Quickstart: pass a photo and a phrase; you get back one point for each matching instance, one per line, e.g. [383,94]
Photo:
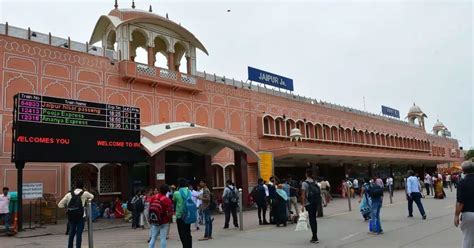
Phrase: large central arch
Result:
[206,142]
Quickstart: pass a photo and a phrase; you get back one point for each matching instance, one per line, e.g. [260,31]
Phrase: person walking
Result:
[448,181]
[271,198]
[310,200]
[427,182]
[206,210]
[260,194]
[390,185]
[231,199]
[413,191]
[355,186]
[195,193]
[293,200]
[281,208]
[184,229]
[160,211]
[375,191]
[75,201]
[464,215]
[364,200]
[137,208]
[4,208]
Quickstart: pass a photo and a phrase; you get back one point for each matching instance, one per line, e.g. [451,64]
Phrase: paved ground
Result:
[339,228]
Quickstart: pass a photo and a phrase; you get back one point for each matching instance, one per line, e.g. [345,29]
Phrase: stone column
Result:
[171,61]
[241,174]
[151,56]
[126,178]
[157,166]
[189,65]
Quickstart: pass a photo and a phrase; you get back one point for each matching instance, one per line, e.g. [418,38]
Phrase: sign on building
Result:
[271,79]
[390,112]
[49,129]
[32,190]
[265,165]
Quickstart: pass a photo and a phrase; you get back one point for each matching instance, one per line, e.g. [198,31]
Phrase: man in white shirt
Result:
[390,185]
[195,194]
[355,185]
[414,194]
[427,182]
[75,209]
[4,211]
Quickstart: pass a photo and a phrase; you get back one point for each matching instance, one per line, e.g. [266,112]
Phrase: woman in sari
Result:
[118,212]
[281,206]
[439,191]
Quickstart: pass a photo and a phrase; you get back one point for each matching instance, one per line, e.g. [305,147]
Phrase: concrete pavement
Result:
[339,228]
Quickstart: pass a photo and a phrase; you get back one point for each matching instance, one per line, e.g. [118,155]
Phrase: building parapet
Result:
[271,91]
[48,39]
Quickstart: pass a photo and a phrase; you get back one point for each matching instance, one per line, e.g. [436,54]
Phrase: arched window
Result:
[86,173]
[266,125]
[180,58]
[301,126]
[290,124]
[334,133]
[110,180]
[342,134]
[278,126]
[361,137]
[349,135]
[319,131]
[310,130]
[138,47]
[327,132]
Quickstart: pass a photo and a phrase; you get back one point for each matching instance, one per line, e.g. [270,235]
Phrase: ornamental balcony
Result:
[137,72]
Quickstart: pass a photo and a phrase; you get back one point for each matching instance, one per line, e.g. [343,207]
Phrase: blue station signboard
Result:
[390,112]
[271,79]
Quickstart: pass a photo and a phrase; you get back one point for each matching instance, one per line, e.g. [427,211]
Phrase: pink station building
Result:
[196,124]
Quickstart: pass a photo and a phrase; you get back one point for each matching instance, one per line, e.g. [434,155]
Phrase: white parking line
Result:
[349,236]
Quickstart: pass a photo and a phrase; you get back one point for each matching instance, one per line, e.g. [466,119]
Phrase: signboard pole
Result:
[19,182]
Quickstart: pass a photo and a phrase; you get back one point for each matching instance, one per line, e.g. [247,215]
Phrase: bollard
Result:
[241,213]
[349,196]
[390,190]
[89,223]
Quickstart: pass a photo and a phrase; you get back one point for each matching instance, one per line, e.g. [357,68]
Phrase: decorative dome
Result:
[439,125]
[415,110]
[119,17]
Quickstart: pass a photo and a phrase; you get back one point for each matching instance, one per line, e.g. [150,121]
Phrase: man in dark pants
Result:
[271,198]
[135,212]
[75,202]
[414,194]
[231,199]
[310,199]
[184,230]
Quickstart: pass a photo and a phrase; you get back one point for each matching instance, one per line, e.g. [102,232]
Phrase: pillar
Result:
[126,178]
[241,174]
[151,56]
[188,65]
[209,174]
[157,166]
[171,61]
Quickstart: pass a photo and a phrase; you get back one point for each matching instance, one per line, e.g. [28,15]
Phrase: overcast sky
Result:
[392,53]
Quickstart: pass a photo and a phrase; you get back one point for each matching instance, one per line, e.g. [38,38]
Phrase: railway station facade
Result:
[196,124]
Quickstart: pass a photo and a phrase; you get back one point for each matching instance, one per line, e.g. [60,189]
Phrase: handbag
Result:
[302,224]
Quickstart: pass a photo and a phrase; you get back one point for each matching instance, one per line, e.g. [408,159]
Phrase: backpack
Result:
[212,203]
[314,193]
[231,197]
[157,212]
[375,191]
[260,193]
[138,205]
[75,209]
[129,205]
[189,208]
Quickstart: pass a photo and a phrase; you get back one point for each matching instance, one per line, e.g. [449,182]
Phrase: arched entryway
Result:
[87,173]
[186,150]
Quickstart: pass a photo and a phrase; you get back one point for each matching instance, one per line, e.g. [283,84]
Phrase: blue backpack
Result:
[189,208]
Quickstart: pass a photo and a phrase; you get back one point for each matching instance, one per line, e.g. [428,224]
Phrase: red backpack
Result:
[158,213]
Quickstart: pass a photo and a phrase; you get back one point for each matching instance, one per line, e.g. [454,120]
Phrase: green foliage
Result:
[469,154]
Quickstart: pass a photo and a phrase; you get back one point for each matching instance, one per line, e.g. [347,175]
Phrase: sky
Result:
[392,53]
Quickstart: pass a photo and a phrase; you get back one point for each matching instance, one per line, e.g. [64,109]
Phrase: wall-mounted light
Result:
[168,127]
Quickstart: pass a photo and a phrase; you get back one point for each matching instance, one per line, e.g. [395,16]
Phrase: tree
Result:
[469,154]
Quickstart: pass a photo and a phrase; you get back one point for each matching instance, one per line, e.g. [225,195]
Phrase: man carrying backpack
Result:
[159,215]
[75,201]
[137,208]
[185,212]
[260,194]
[231,199]
[310,200]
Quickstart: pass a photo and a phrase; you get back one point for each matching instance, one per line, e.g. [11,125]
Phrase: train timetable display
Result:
[50,129]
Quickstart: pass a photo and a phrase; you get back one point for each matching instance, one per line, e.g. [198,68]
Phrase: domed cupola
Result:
[126,30]
[439,128]
[415,113]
